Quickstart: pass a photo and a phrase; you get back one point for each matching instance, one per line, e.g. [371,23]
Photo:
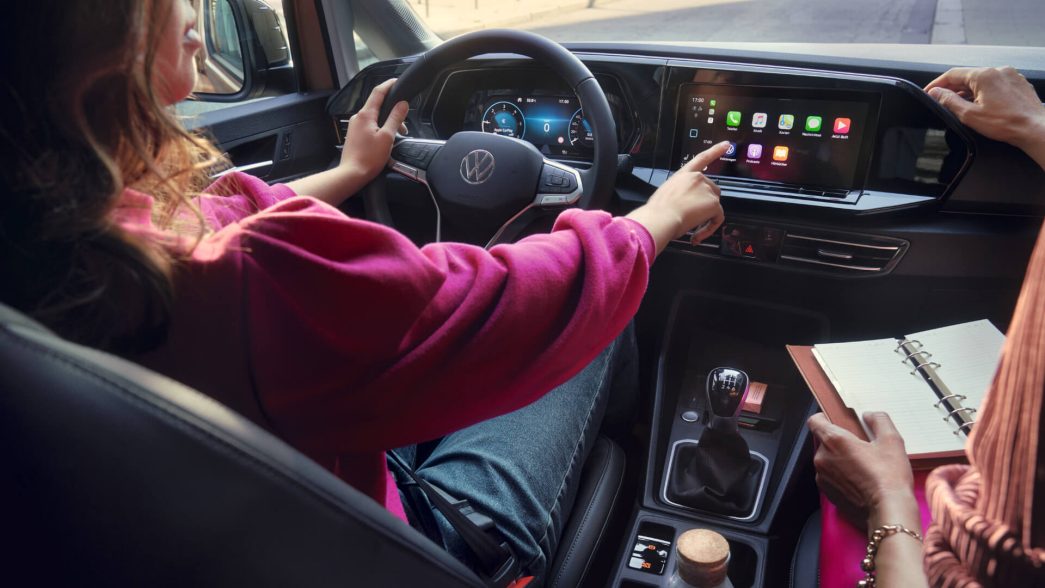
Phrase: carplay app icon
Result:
[732,151]
[759,120]
[814,124]
[780,153]
[754,151]
[842,126]
[733,118]
[786,122]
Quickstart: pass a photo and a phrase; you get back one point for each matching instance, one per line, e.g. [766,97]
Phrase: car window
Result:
[973,22]
[222,46]
[220,63]
[364,56]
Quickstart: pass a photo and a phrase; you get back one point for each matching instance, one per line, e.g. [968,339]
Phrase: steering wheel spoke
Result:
[411,157]
[560,185]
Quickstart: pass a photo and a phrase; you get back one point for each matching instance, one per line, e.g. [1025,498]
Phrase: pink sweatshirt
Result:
[346,340]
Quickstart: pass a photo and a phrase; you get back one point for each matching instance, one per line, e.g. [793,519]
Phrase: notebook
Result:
[930,383]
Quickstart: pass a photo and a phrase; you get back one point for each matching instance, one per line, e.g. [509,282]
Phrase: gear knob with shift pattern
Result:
[726,389]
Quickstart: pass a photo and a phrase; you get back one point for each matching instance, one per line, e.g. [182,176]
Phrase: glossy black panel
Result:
[919,150]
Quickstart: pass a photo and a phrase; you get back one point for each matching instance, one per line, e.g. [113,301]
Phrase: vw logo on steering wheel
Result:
[477,166]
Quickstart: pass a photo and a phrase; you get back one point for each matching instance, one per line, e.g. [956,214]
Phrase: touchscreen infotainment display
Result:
[780,136]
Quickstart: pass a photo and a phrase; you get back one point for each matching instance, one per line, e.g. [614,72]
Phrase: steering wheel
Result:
[493,182]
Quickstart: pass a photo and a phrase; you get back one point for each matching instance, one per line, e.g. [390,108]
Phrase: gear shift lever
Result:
[726,389]
[718,474]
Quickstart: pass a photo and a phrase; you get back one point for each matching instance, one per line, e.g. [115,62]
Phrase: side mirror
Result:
[245,53]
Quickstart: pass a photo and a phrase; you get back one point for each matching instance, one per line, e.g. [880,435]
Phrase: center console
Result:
[742,500]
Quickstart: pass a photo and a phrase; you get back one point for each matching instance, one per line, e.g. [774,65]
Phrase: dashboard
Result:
[814,154]
[829,140]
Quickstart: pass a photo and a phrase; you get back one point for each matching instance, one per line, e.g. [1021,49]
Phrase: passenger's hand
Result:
[368,146]
[998,103]
[866,480]
[688,200]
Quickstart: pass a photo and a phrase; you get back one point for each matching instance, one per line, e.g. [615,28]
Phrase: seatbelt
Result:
[497,563]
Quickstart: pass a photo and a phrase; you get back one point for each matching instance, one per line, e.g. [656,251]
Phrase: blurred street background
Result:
[973,22]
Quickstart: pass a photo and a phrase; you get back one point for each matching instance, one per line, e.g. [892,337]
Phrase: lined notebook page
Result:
[968,355]
[871,376]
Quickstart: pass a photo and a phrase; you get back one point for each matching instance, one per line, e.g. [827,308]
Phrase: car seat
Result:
[115,475]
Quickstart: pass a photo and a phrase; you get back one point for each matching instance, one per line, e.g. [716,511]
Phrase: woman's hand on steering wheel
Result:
[365,153]
[687,201]
[368,145]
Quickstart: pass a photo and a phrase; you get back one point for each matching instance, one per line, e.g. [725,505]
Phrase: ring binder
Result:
[913,353]
[931,364]
[958,410]
[960,397]
[917,356]
[906,341]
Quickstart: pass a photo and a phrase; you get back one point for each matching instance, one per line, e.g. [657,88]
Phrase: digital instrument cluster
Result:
[554,124]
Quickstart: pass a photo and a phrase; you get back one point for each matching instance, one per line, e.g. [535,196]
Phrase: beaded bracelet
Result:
[872,550]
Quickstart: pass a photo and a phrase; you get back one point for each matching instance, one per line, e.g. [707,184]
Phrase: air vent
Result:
[712,243]
[342,130]
[842,254]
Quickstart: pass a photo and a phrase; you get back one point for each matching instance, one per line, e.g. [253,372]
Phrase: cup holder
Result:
[743,561]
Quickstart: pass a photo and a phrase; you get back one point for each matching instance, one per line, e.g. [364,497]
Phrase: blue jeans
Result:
[521,469]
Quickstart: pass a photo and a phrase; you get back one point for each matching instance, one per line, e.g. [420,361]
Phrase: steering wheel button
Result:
[548,200]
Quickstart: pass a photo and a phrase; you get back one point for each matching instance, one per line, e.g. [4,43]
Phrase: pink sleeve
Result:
[236,196]
[361,341]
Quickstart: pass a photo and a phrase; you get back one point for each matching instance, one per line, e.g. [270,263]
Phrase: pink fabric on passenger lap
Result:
[843,545]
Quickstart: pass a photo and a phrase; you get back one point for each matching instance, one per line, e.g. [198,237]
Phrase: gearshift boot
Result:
[717,475]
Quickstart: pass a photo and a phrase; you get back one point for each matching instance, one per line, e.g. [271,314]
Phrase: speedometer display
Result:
[580,131]
[504,118]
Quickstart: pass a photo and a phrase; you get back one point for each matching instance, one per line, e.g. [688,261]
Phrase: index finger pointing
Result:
[956,79]
[704,158]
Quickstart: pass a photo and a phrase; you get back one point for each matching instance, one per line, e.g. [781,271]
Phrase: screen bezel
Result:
[864,154]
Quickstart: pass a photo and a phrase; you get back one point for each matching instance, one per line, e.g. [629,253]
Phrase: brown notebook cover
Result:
[843,416]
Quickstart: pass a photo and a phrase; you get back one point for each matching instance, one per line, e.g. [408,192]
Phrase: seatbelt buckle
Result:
[508,575]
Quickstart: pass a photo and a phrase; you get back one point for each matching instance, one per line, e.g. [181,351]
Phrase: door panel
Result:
[276,139]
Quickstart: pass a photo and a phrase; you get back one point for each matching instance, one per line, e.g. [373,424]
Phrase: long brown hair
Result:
[80,122]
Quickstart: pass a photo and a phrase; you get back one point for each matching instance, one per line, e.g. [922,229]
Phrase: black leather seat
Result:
[114,475]
[805,564]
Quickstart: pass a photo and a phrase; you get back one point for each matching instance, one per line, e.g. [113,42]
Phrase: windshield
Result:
[972,22]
